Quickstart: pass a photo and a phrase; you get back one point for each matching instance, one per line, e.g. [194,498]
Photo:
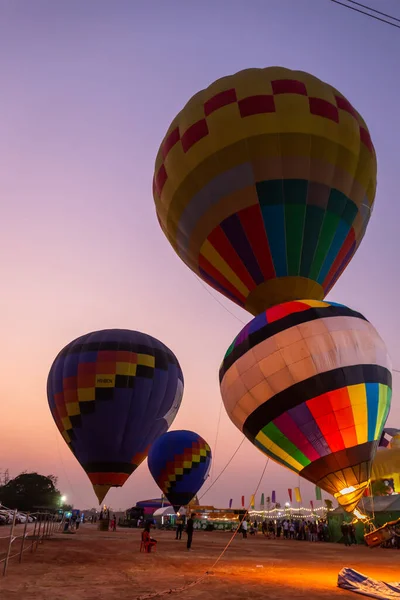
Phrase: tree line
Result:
[30,492]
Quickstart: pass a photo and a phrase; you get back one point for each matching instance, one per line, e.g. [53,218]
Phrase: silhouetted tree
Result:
[31,491]
[4,477]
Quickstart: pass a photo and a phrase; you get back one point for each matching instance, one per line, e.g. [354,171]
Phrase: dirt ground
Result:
[94,565]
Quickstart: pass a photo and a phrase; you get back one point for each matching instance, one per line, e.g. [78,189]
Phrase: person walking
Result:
[345,533]
[264,527]
[244,528]
[291,530]
[352,533]
[114,523]
[189,531]
[285,529]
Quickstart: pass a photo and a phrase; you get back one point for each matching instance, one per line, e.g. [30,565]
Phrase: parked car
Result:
[6,517]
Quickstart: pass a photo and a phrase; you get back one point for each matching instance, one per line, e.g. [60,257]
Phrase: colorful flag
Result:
[230,503]
[262,502]
[273,499]
[243,501]
[252,501]
[290,495]
[318,493]
[312,505]
[297,494]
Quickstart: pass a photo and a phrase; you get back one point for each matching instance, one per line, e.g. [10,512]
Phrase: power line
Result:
[378,12]
[368,14]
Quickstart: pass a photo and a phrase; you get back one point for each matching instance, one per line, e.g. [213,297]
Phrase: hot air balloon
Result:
[179,462]
[112,393]
[264,185]
[309,383]
[390,438]
[386,465]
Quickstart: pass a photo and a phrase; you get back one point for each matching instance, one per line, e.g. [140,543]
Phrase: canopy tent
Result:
[166,511]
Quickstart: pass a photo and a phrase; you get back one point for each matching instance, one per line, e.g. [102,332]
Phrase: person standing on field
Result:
[189,531]
[179,528]
[244,528]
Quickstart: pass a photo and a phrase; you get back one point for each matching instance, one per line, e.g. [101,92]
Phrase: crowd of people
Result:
[72,521]
[294,529]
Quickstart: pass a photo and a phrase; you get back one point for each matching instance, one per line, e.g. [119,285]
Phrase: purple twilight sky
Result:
[89,89]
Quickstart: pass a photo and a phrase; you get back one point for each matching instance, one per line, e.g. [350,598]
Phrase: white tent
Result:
[165,511]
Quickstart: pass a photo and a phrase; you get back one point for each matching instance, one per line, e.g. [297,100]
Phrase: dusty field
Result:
[93,565]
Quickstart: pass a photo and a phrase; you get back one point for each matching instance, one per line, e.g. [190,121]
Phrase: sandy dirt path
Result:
[93,565]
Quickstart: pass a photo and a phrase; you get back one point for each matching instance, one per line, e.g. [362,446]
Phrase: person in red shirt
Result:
[147,539]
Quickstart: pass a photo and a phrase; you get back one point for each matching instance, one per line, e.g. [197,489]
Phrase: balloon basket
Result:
[382,534]
[377,537]
[104,525]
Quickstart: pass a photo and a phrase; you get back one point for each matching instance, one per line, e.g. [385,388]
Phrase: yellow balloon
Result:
[264,186]
[386,464]
[395,442]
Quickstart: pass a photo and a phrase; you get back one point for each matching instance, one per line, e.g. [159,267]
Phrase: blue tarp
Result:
[351,580]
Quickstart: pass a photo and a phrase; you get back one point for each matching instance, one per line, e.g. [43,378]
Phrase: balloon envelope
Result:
[264,185]
[180,462]
[112,393]
[386,465]
[309,383]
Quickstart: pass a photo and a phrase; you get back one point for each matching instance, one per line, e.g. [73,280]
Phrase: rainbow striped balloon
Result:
[309,383]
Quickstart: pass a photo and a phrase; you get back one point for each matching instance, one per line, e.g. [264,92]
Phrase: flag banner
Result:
[273,499]
[290,495]
[312,504]
[297,494]
[252,501]
[262,502]
[243,501]
[318,493]
[230,503]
